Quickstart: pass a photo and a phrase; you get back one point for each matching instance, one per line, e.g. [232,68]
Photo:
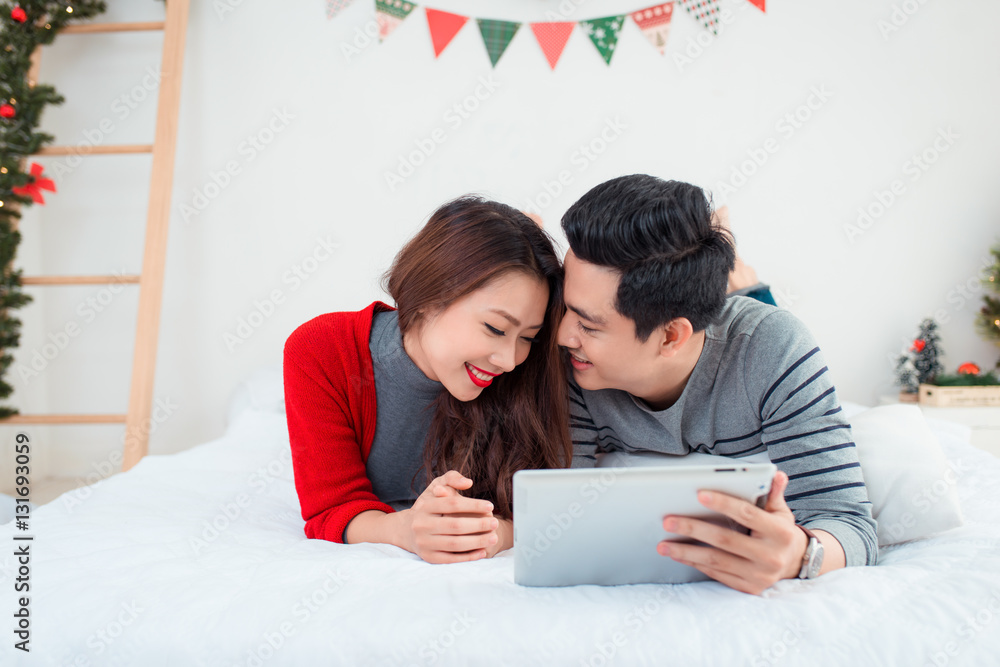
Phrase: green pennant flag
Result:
[603,33]
[496,36]
[389,14]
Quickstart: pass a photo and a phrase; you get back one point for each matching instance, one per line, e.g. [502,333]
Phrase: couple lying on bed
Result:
[407,425]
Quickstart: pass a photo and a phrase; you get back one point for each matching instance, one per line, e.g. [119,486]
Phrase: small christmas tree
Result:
[920,364]
[988,320]
[926,346]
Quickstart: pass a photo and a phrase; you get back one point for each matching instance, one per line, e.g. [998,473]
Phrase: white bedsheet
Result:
[132,572]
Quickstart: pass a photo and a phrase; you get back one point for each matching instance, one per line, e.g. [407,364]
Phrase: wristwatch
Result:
[812,559]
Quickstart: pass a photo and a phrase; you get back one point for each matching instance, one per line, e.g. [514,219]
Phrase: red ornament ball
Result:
[918,345]
[18,15]
[7,111]
[968,368]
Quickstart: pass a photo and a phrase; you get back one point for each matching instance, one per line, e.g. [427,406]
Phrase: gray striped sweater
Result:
[760,385]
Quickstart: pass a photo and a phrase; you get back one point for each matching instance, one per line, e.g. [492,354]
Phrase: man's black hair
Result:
[658,235]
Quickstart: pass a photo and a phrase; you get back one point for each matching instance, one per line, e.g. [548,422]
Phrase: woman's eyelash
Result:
[497,332]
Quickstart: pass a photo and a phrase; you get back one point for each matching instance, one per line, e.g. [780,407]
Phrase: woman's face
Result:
[485,333]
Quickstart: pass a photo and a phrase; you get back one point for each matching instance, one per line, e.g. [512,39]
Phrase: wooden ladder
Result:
[150,280]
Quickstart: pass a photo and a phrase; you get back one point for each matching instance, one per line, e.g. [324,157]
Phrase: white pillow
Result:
[910,482]
[263,391]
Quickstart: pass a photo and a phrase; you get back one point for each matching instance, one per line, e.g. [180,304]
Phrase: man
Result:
[664,362]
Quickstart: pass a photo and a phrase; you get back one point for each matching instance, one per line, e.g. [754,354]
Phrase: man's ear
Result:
[673,336]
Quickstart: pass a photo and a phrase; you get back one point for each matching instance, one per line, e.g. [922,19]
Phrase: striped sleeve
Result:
[581,429]
[807,435]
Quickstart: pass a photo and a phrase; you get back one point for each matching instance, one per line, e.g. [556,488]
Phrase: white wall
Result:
[349,120]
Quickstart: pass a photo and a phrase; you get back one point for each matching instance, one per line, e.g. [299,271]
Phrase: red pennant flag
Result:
[655,23]
[443,26]
[759,4]
[552,37]
[35,186]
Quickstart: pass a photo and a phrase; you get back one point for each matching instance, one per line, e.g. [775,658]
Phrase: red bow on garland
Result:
[35,186]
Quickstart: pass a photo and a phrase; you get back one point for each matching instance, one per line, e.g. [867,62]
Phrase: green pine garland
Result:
[988,319]
[18,140]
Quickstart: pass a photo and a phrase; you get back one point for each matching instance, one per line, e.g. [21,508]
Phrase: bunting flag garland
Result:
[654,22]
[389,14]
[443,26]
[552,37]
[333,7]
[706,11]
[603,32]
[496,36]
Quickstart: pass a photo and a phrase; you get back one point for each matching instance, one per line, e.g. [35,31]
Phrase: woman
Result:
[393,413]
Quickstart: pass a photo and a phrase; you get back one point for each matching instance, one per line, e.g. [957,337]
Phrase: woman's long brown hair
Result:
[520,421]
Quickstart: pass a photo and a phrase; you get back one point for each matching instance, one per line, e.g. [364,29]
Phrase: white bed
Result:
[133,572]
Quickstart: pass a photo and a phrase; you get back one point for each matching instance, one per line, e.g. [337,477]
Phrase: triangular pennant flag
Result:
[706,11]
[443,26]
[759,4]
[552,37]
[389,14]
[603,33]
[655,23]
[334,6]
[496,36]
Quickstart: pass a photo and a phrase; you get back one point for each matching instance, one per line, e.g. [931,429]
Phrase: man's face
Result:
[601,342]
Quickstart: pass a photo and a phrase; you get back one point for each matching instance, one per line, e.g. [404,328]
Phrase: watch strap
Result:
[811,542]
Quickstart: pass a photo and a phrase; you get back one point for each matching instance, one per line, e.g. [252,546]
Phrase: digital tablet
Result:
[601,525]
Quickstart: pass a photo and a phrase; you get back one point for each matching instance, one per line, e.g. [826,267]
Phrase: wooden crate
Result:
[953,397]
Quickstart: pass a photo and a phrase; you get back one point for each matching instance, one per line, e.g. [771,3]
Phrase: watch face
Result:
[816,561]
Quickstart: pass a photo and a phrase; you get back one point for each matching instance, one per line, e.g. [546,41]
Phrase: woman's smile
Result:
[479,377]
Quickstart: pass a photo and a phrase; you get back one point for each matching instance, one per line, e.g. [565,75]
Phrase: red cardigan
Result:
[330,406]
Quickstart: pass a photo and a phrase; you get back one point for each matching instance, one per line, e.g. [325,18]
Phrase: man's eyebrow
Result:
[586,316]
[513,320]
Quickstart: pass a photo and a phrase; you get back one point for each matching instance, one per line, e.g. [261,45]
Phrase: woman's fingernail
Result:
[493,539]
[663,549]
[495,523]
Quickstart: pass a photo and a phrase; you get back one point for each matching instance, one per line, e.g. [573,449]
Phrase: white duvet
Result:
[199,559]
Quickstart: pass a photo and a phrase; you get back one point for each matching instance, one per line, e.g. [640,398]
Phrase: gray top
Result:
[403,394]
[760,384]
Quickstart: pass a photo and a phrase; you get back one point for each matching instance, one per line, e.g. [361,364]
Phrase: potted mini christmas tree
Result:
[919,365]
